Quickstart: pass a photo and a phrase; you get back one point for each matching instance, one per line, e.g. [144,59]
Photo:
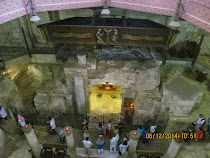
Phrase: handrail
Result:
[149,153]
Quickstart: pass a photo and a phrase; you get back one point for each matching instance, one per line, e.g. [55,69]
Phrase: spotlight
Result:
[3,71]
[174,25]
[34,17]
[105,10]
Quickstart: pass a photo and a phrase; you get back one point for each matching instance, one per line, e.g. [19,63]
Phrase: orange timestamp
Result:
[170,135]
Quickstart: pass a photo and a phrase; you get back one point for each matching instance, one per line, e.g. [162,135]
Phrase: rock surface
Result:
[180,95]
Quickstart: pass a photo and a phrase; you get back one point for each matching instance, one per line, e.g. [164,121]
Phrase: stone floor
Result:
[192,150]
[106,154]
[177,124]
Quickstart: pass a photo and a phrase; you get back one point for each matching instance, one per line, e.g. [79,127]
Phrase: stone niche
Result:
[180,95]
[138,79]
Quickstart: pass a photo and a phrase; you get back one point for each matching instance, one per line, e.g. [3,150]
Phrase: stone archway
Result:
[105,98]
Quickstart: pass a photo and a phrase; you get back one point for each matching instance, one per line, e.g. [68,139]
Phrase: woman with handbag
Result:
[123,149]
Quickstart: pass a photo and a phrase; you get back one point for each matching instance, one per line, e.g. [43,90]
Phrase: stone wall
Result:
[23,152]
[17,65]
[138,80]
[9,94]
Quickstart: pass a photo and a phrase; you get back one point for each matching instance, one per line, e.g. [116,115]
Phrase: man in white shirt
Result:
[123,148]
[87,144]
[200,122]
[3,114]
[52,125]
[113,143]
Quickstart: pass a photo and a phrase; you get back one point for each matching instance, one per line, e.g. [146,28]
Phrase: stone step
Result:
[204,85]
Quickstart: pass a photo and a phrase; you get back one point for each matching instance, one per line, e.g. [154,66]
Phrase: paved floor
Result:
[81,153]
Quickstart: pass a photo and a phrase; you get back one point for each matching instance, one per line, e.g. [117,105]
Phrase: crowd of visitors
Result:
[100,141]
[195,129]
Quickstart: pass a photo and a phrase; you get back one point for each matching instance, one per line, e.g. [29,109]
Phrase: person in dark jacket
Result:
[144,136]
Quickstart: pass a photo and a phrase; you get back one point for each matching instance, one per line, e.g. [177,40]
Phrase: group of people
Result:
[143,131]
[196,128]
[100,141]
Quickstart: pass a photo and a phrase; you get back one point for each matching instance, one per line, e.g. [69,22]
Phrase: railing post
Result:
[197,51]
[32,140]
[26,43]
[134,138]
[68,131]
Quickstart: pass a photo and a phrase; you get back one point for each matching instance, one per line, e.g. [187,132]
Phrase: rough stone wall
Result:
[138,80]
[17,65]
[23,152]
[9,94]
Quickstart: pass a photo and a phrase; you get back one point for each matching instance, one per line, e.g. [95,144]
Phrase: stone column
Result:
[69,102]
[2,140]
[68,131]
[172,149]
[134,138]
[79,93]
[32,140]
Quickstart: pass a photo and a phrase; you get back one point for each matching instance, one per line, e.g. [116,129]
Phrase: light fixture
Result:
[105,10]
[3,71]
[34,17]
[175,23]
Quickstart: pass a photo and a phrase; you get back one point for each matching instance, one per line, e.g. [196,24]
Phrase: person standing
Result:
[123,149]
[191,128]
[86,134]
[100,144]
[62,136]
[200,122]
[21,121]
[120,126]
[140,130]
[153,127]
[100,129]
[3,114]
[113,143]
[85,124]
[108,129]
[52,125]
[116,130]
[87,145]
[144,136]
